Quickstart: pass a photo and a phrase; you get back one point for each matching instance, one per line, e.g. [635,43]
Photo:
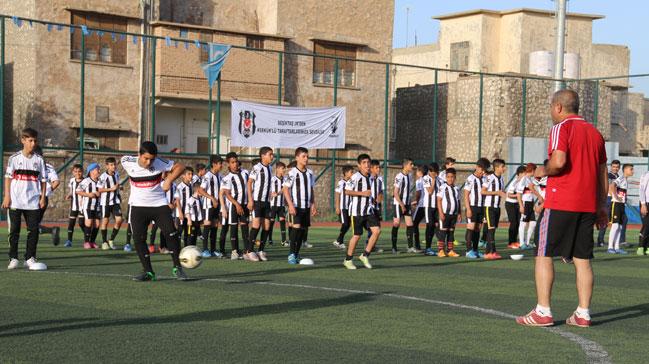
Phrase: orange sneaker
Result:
[152,249]
[495,255]
[513,246]
[489,256]
[441,254]
[453,254]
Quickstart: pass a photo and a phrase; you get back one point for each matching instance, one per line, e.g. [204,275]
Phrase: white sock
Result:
[530,231]
[543,311]
[521,232]
[583,313]
[612,235]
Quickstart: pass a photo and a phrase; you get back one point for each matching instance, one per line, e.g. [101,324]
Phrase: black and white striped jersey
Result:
[108,181]
[511,189]
[52,176]
[88,185]
[300,185]
[276,187]
[474,186]
[183,193]
[429,199]
[211,183]
[450,196]
[378,188]
[75,200]
[146,183]
[493,183]
[344,198]
[261,176]
[27,174]
[359,205]
[194,208]
[404,183]
[171,197]
[235,184]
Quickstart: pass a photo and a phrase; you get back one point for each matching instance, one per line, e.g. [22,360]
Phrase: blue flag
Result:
[217,55]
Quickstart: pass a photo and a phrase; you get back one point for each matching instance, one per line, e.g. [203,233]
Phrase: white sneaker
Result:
[366,262]
[234,255]
[33,264]
[337,244]
[349,264]
[411,250]
[13,263]
[111,244]
[105,246]
[251,257]
[306,245]
[262,256]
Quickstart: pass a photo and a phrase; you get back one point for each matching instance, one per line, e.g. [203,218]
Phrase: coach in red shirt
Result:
[575,202]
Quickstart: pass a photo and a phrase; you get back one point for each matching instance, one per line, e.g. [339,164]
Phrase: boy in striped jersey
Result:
[183,193]
[360,209]
[618,191]
[342,206]
[418,206]
[259,190]
[449,211]
[75,203]
[511,207]
[401,192]
[378,188]
[194,213]
[88,189]
[474,202]
[110,200]
[208,189]
[277,210]
[24,195]
[300,199]
[233,202]
[527,194]
[430,187]
[449,162]
[493,190]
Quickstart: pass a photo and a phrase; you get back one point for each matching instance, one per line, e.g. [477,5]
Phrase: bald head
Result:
[568,99]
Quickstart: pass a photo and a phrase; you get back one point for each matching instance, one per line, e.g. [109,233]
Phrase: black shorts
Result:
[448,223]
[91,214]
[398,213]
[528,214]
[565,233]
[213,214]
[74,214]
[107,211]
[261,210]
[344,217]
[233,218]
[492,214]
[617,213]
[377,211]
[277,212]
[477,213]
[360,223]
[427,214]
[302,217]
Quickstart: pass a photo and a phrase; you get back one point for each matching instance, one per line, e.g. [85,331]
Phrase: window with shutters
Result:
[324,68]
[101,46]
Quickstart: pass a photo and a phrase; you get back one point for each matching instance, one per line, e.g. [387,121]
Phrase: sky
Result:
[625,23]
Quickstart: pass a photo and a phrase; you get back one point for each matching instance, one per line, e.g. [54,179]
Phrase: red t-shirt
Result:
[575,189]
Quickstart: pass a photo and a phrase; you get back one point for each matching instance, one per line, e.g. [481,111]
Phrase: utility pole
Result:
[407,27]
[560,44]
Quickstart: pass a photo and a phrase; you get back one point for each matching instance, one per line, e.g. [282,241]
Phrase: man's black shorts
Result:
[114,210]
[528,214]
[302,217]
[617,213]
[492,215]
[478,215]
[565,233]
[398,213]
[277,212]
[261,210]
[359,223]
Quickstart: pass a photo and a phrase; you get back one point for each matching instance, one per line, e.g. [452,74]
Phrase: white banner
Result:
[258,125]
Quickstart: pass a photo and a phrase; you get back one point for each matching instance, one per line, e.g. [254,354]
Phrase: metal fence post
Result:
[480,117]
[596,106]
[209,120]
[153,52]
[333,157]
[435,120]
[218,115]
[386,117]
[2,103]
[82,108]
[280,68]
[523,120]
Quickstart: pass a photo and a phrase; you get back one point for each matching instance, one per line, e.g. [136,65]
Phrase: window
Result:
[161,139]
[255,42]
[204,37]
[323,68]
[184,33]
[202,145]
[101,114]
[460,56]
[99,48]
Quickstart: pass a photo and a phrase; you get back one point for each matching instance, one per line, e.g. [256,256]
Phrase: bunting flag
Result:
[17,22]
[113,36]
[197,43]
[216,59]
[71,30]
[135,40]
[49,28]
[59,27]
[168,41]
[100,33]
[84,30]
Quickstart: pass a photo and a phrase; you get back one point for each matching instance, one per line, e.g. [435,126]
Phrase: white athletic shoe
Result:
[411,250]
[349,264]
[307,245]
[111,244]
[262,256]
[105,246]
[234,255]
[13,263]
[33,264]
[251,257]
[337,244]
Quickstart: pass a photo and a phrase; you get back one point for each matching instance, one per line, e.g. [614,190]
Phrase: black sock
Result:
[282,228]
[87,232]
[71,223]
[264,237]
[429,235]
[213,231]
[104,235]
[305,234]
[154,230]
[395,232]
[476,239]
[468,236]
[143,254]
[348,257]
[245,232]
[129,235]
[223,236]
[366,253]
[270,231]
[293,240]
[206,236]
[250,244]
[409,233]
[301,232]
[491,240]
[114,233]
[234,237]
[415,233]
[94,233]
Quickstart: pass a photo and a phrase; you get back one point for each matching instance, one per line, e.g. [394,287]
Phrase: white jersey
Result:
[450,196]
[493,183]
[344,198]
[146,183]
[540,185]
[171,197]
[474,186]
[261,176]
[359,205]
[419,188]
[404,183]
[441,177]
[276,188]
[621,186]
[109,181]
[194,209]
[377,189]
[429,199]
[300,185]
[523,189]
[183,193]
[89,185]
[196,178]
[26,174]
[612,177]
[644,188]
[75,200]
[211,183]
[235,183]
[511,189]
[51,177]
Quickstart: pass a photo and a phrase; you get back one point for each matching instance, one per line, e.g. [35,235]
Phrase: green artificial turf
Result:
[85,308]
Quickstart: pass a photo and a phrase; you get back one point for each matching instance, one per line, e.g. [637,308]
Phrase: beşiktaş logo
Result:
[333,125]
[247,125]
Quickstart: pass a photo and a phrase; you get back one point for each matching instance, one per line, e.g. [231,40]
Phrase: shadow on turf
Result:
[31,328]
[624,313]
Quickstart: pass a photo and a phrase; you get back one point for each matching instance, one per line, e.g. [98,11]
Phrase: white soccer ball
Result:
[306,261]
[517,256]
[190,257]
[38,266]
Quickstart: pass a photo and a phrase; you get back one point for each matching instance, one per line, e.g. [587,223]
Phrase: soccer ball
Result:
[190,257]
[306,261]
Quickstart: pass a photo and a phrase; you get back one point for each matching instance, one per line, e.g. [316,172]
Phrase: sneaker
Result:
[68,244]
[418,251]
[513,246]
[479,255]
[262,256]
[286,244]
[179,273]
[206,254]
[307,245]
[525,247]
[456,243]
[152,249]
[495,256]
[270,243]
[534,319]
[441,254]
[234,255]
[127,248]
[471,254]
[105,246]
[292,259]
[453,254]
[251,257]
[600,244]
[217,254]
[411,250]
[611,251]
[640,251]
[395,251]
[365,260]
[13,263]
[337,244]
[482,244]
[33,264]
[111,244]
[430,252]
[87,245]
[488,256]
[349,264]
[575,320]
[375,249]
[56,240]
[621,251]
[145,277]
[93,246]
[165,251]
